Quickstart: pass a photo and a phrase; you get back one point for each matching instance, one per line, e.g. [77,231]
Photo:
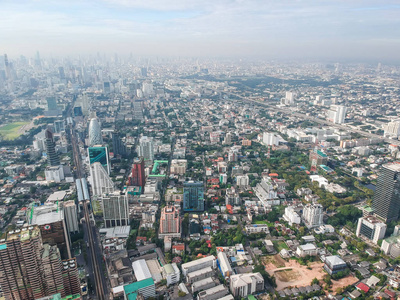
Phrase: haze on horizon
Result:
[309,29]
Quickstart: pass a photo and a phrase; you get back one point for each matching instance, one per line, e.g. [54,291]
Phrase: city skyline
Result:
[352,30]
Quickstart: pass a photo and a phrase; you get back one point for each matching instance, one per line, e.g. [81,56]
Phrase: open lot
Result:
[273,262]
[13,130]
[293,274]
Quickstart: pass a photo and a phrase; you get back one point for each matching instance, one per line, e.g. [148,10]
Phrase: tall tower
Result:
[193,196]
[115,210]
[386,201]
[52,156]
[138,176]
[118,146]
[100,181]
[95,133]
[169,221]
[146,148]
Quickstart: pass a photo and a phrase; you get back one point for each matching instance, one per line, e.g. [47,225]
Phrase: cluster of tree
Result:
[346,215]
[265,275]
[341,274]
[229,237]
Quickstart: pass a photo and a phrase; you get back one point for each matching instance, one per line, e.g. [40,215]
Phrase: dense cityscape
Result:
[165,178]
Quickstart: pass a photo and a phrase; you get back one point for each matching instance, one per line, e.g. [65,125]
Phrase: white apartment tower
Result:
[146,148]
[337,114]
[100,181]
[313,215]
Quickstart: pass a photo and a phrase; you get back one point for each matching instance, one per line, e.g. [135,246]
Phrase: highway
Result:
[303,116]
[99,287]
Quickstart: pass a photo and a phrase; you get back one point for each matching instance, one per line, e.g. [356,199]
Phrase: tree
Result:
[315,281]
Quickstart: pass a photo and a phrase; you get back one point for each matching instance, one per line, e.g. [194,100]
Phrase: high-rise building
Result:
[170,224]
[51,104]
[61,72]
[289,98]
[95,133]
[371,228]
[386,201]
[100,181]
[53,229]
[313,215]
[146,148]
[99,154]
[59,126]
[138,177]
[52,156]
[70,276]
[193,196]
[115,210]
[242,180]
[392,128]
[71,216]
[119,147]
[317,157]
[30,269]
[337,114]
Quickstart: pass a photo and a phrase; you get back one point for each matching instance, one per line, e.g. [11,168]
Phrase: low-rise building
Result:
[242,285]
[171,273]
[199,275]
[224,264]
[307,249]
[254,228]
[371,228]
[213,293]
[334,264]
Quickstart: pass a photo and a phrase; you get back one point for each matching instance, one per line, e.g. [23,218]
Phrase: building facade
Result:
[115,210]
[193,196]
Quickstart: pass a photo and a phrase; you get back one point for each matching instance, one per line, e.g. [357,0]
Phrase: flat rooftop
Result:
[393,166]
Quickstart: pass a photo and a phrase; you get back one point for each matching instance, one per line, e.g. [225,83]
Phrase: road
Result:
[93,246]
[311,118]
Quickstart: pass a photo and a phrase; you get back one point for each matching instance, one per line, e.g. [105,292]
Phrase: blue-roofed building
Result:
[144,287]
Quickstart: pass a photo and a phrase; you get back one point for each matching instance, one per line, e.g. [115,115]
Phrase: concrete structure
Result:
[198,264]
[386,201]
[224,264]
[170,223]
[95,133]
[313,215]
[146,148]
[242,285]
[334,264]
[55,173]
[392,129]
[214,293]
[232,197]
[193,196]
[337,114]
[242,181]
[254,228]
[115,209]
[317,157]
[138,177]
[171,273]
[99,154]
[199,274]
[178,166]
[145,287]
[291,216]
[52,157]
[71,216]
[307,249]
[371,228]
[203,284]
[100,182]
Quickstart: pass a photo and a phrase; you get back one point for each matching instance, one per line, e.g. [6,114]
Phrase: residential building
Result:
[291,216]
[55,173]
[146,148]
[213,293]
[71,216]
[100,181]
[224,264]
[317,157]
[392,128]
[193,196]
[386,201]
[115,210]
[371,228]
[337,114]
[199,274]
[255,228]
[170,223]
[198,264]
[242,285]
[119,147]
[232,197]
[178,166]
[242,181]
[203,284]
[334,264]
[313,215]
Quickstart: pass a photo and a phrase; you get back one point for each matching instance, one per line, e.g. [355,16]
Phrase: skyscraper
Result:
[170,224]
[146,148]
[71,216]
[100,181]
[52,157]
[95,133]
[337,114]
[193,196]
[313,215]
[119,147]
[115,210]
[99,154]
[51,103]
[138,177]
[30,269]
[386,201]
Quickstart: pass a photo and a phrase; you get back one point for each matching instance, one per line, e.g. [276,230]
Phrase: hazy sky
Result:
[359,29]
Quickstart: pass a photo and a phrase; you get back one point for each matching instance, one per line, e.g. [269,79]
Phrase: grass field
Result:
[279,245]
[12,131]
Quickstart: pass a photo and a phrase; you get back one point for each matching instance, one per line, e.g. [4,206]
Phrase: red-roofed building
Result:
[390,294]
[362,287]
[178,248]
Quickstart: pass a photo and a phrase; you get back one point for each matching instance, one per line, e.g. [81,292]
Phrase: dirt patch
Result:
[273,262]
[294,274]
[343,282]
